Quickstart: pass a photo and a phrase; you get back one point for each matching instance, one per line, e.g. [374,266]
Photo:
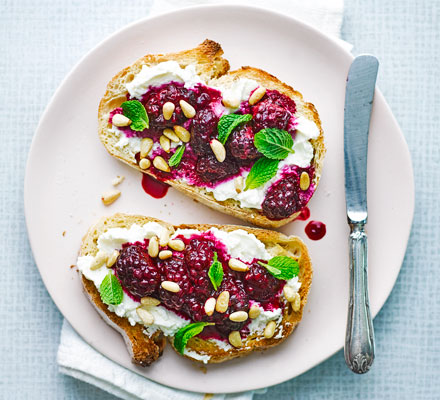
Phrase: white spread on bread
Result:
[197,356]
[221,344]
[234,93]
[258,324]
[237,91]
[164,72]
[239,244]
[129,146]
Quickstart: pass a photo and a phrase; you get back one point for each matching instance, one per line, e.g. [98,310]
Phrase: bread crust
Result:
[214,69]
[145,350]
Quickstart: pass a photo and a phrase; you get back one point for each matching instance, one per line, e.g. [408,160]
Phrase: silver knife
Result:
[361,81]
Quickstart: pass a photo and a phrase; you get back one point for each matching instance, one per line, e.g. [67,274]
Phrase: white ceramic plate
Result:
[68,170]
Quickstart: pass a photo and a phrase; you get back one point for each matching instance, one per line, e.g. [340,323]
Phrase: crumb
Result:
[205,370]
[208,396]
[119,179]
[72,266]
[64,233]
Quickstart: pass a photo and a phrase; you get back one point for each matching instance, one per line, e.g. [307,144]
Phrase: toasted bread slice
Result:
[145,349]
[213,69]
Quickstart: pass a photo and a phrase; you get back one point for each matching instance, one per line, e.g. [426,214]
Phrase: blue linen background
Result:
[41,41]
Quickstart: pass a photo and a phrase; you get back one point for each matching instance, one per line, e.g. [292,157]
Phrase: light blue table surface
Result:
[42,40]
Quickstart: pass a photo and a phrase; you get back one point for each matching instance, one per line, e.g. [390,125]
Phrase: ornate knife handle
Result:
[359,340]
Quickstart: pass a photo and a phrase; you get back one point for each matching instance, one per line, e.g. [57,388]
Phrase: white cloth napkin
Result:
[75,357]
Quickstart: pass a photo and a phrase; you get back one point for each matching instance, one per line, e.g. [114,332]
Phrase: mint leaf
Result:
[261,172]
[215,272]
[175,159]
[274,143]
[135,110]
[111,290]
[228,123]
[187,332]
[282,267]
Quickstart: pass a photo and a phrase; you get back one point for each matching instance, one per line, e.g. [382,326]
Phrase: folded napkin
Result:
[75,357]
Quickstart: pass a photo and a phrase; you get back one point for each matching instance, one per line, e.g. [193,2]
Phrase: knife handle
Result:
[359,340]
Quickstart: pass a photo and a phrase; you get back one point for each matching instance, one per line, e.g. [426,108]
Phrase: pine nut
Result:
[99,260]
[231,103]
[119,179]
[238,184]
[144,163]
[257,95]
[182,133]
[296,303]
[110,196]
[170,286]
[254,312]
[237,265]
[146,146]
[187,109]
[222,302]
[120,120]
[168,109]
[169,133]
[289,293]
[164,237]
[145,316]
[161,164]
[235,339]
[165,254]
[153,247]
[304,181]
[239,316]
[149,301]
[112,259]
[269,331]
[165,143]
[218,149]
[176,244]
[210,306]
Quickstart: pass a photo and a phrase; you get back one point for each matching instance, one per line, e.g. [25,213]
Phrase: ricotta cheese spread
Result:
[164,72]
[127,145]
[237,91]
[258,324]
[239,244]
[197,356]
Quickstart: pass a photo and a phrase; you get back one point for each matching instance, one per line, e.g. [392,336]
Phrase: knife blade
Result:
[359,94]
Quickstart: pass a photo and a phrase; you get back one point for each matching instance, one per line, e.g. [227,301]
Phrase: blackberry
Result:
[174,269]
[241,144]
[198,257]
[282,199]
[238,301]
[137,272]
[210,170]
[204,128]
[269,115]
[260,284]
